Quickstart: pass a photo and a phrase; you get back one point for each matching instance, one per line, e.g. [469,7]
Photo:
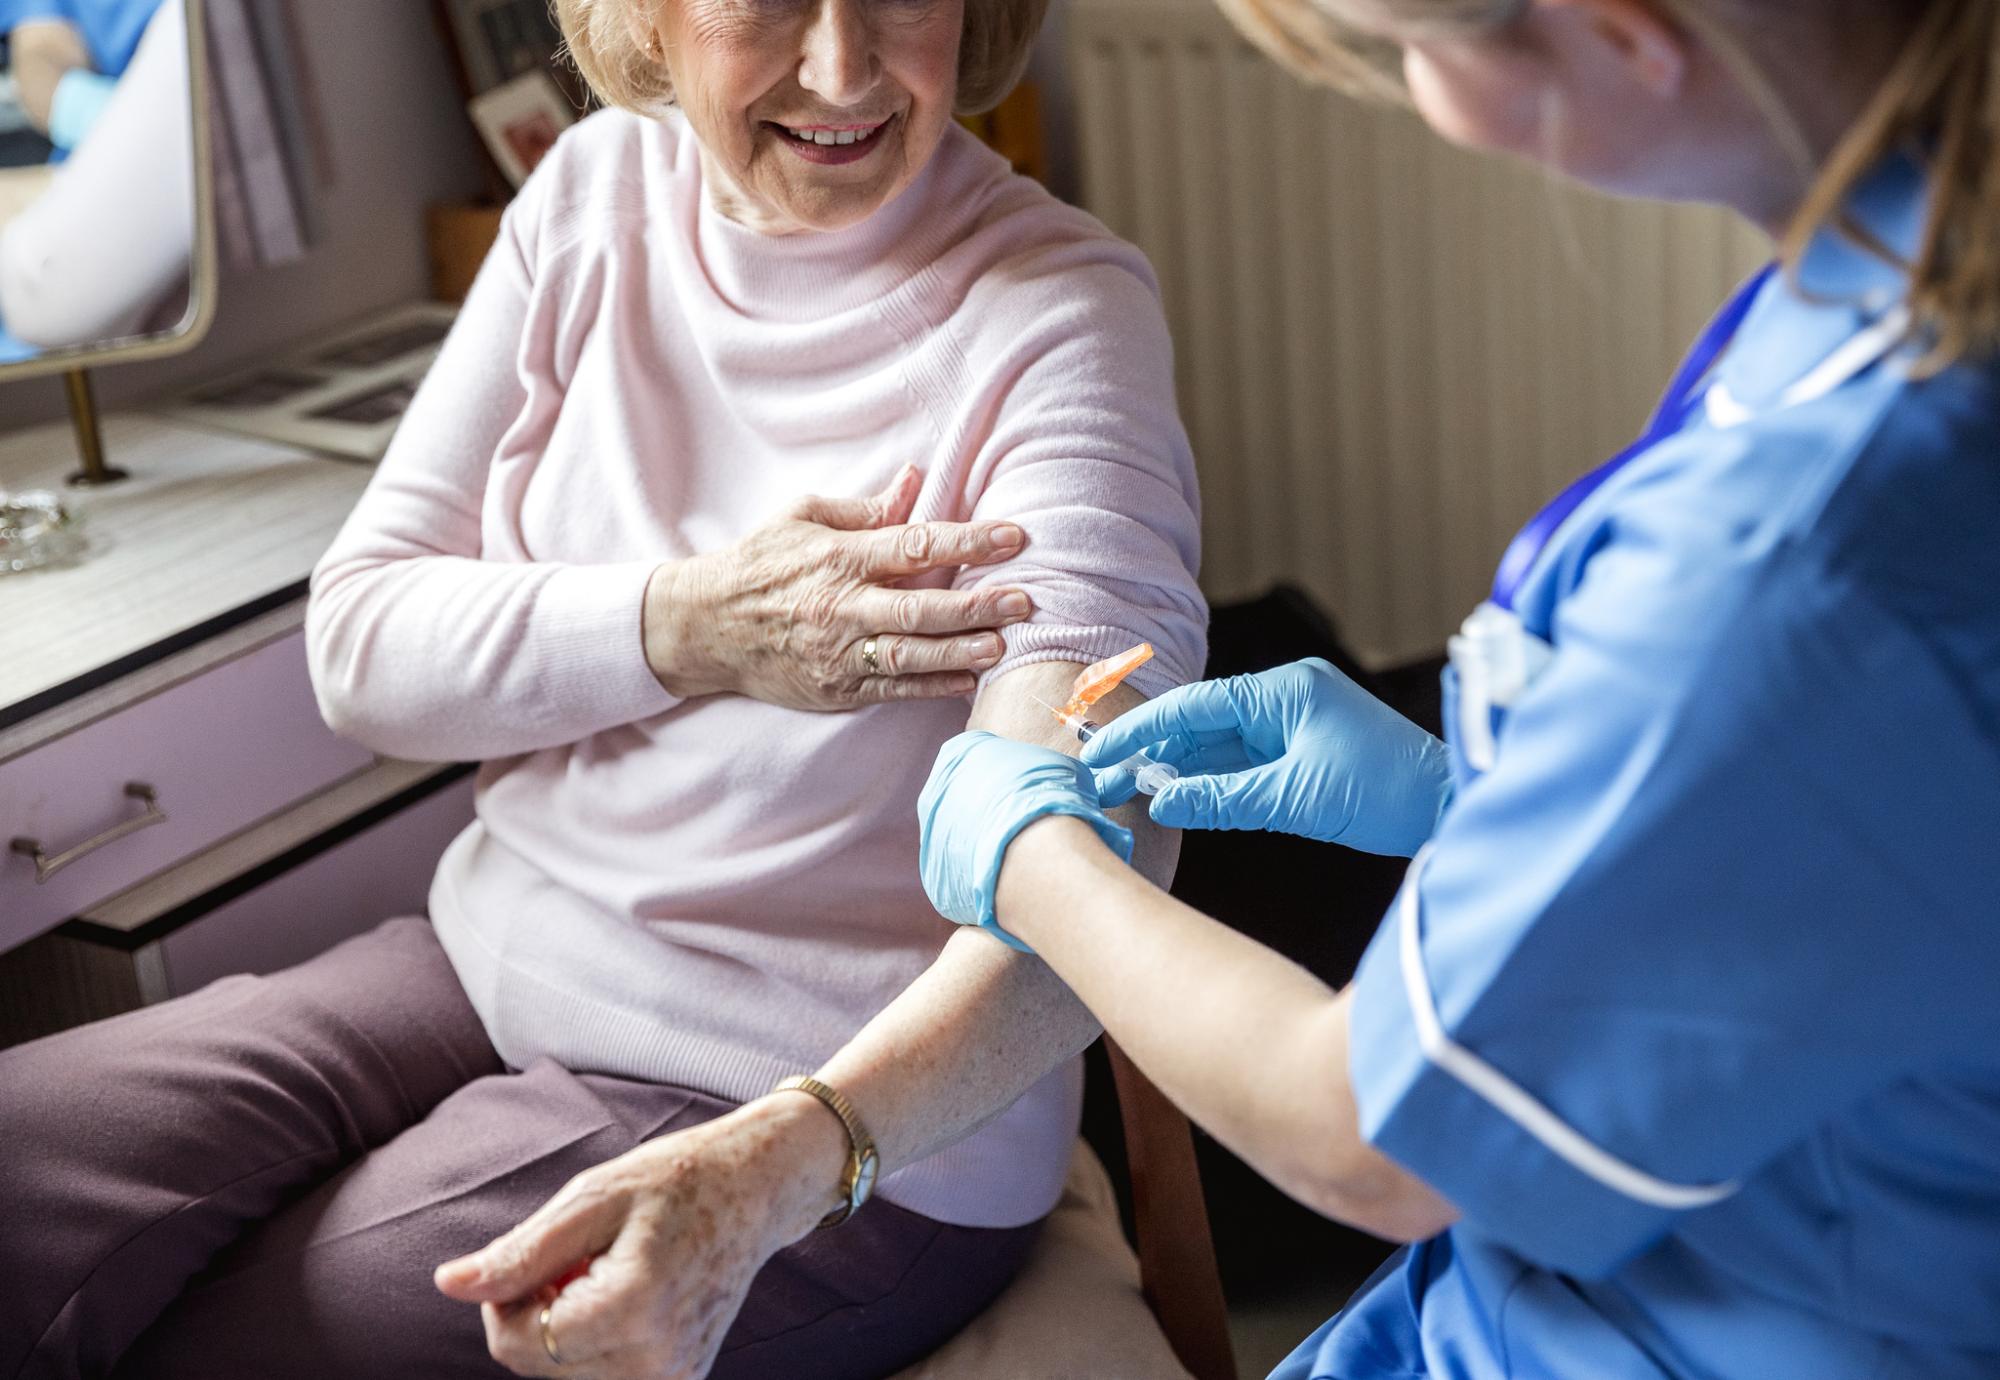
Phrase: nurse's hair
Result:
[993,52]
[1941,97]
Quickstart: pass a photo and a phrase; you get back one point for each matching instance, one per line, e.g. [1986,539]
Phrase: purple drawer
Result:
[219,752]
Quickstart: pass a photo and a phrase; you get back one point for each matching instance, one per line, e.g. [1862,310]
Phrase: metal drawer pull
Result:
[47,867]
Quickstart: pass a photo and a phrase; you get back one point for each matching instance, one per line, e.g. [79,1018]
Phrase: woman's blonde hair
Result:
[992,52]
[1941,98]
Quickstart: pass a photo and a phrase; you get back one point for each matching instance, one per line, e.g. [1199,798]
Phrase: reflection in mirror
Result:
[98,176]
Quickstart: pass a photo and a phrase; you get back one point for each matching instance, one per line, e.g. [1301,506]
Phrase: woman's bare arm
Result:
[984,1022]
[961,1043]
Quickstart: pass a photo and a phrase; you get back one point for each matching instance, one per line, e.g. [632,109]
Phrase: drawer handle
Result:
[47,867]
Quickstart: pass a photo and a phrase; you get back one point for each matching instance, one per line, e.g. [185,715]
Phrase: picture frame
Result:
[520,120]
[499,40]
[342,395]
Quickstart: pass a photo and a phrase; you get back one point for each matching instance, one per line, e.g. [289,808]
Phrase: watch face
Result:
[864,1178]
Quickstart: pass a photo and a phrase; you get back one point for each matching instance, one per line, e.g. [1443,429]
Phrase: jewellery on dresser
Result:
[36,529]
[857,1181]
[549,1338]
[868,657]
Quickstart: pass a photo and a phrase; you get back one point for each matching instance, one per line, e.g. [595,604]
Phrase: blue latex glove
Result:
[1299,750]
[983,791]
[79,102]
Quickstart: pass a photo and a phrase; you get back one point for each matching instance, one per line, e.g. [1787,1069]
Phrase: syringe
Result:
[1152,776]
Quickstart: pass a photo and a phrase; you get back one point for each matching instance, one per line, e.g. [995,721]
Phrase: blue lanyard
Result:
[1682,397]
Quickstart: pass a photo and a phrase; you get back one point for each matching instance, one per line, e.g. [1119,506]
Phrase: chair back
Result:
[1177,1269]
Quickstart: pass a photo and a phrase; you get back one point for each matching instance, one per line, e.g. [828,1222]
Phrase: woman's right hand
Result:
[1299,750]
[786,614]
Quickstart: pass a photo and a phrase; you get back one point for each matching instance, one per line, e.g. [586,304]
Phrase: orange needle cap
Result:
[1093,683]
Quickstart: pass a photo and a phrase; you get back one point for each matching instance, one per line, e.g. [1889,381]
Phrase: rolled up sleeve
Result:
[1085,450]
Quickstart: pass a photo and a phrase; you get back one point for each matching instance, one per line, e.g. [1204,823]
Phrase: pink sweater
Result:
[720,893]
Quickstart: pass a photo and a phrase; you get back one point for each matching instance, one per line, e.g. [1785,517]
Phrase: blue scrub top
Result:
[111,29]
[1724,917]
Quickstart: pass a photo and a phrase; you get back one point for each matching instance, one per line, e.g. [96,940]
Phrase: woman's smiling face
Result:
[811,114]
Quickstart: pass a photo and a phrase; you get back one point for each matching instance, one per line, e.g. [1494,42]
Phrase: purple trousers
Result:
[256,1181]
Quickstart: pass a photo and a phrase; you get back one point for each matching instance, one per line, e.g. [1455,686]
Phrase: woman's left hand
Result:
[672,1233]
[983,791]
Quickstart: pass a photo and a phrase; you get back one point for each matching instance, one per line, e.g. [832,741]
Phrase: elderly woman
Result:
[706,700]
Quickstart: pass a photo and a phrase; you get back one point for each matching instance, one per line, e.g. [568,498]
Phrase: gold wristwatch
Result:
[857,1181]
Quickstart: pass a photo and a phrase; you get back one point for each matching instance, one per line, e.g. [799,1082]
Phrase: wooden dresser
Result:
[172,808]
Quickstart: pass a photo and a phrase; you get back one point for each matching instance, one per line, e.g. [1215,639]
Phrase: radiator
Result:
[1389,352]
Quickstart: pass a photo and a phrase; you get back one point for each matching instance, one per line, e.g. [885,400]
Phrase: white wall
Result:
[398,139]
[1390,352]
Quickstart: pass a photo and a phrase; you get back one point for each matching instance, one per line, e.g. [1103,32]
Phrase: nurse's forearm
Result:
[44,52]
[1247,1043]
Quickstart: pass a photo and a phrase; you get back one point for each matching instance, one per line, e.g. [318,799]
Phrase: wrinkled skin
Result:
[783,616]
[744,72]
[674,1231]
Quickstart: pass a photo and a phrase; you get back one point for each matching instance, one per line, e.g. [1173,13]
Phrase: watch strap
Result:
[858,1181]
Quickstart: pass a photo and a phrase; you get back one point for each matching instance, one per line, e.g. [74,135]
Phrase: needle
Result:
[1153,776]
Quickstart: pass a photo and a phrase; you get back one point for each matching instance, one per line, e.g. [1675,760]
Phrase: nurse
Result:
[1679,1053]
[99,248]
[68,56]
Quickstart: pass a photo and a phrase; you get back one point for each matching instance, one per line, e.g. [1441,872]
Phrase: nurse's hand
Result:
[983,791]
[44,52]
[788,614]
[1298,750]
[644,1261]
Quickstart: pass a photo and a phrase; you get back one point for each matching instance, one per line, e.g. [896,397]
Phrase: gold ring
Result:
[868,658]
[549,1338]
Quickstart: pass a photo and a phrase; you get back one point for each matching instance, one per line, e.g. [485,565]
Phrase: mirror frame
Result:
[194,324]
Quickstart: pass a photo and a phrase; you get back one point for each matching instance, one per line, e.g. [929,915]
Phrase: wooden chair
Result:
[1177,1270]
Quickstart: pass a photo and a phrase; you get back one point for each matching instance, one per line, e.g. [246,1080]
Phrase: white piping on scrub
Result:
[1475,716]
[1860,350]
[1513,1101]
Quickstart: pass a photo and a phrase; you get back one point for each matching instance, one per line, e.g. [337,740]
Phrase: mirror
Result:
[107,243]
